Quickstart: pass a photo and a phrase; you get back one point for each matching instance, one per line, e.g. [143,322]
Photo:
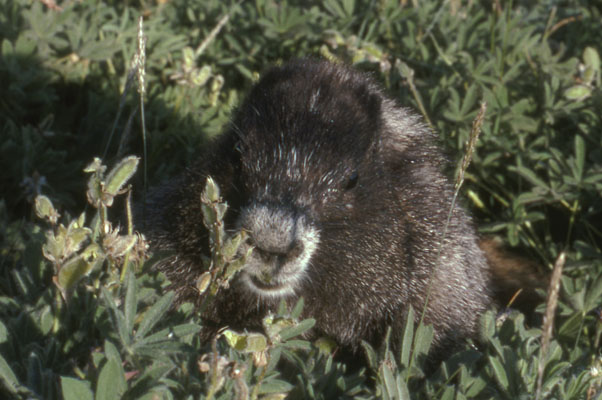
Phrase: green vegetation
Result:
[84,316]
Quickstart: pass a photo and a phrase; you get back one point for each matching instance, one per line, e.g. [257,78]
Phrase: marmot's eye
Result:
[351,181]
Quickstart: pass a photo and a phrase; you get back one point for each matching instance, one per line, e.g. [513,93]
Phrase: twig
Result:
[214,32]
[548,319]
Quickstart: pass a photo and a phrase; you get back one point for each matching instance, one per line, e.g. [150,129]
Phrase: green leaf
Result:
[209,216]
[405,71]
[297,344]
[117,317]
[274,325]
[45,209]
[72,271]
[220,209]
[81,220]
[297,329]
[211,192]
[130,302]
[161,351]
[256,342]
[275,386]
[200,77]
[76,237]
[579,157]
[34,372]
[7,48]
[389,380]
[154,314]
[231,246]
[246,342]
[95,166]
[371,355]
[469,100]
[111,383]
[3,333]
[529,175]
[178,331]
[99,50]
[159,393]
[408,338]
[578,92]
[530,197]
[402,389]
[235,266]
[298,308]
[120,174]
[327,346]
[54,248]
[423,339]
[8,377]
[46,319]
[499,373]
[593,296]
[94,193]
[203,282]
[94,252]
[75,389]
[111,351]
[591,58]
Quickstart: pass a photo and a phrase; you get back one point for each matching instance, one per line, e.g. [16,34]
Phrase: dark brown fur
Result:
[345,201]
[516,278]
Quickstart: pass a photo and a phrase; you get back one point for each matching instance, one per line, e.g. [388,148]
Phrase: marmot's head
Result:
[309,161]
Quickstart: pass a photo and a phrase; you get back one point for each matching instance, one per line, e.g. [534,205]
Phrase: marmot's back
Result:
[343,196]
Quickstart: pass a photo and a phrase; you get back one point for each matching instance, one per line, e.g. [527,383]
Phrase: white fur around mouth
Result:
[272,281]
[275,288]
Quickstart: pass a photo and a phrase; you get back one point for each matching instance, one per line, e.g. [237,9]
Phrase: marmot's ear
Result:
[404,136]
[371,101]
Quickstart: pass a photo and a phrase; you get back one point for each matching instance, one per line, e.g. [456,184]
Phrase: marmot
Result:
[343,196]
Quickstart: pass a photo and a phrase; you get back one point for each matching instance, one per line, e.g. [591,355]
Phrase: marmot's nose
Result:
[278,257]
[272,229]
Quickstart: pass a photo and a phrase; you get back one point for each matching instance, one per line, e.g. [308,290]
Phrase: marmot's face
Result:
[305,150]
[293,192]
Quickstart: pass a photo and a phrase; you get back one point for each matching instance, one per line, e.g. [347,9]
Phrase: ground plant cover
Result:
[100,100]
